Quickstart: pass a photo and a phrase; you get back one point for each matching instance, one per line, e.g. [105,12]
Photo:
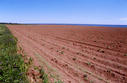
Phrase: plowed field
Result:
[76,54]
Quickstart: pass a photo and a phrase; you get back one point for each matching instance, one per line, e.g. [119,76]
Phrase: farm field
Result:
[76,54]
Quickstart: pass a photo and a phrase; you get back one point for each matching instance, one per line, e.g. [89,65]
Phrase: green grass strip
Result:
[12,67]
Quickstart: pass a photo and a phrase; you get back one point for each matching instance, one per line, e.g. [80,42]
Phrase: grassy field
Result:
[12,67]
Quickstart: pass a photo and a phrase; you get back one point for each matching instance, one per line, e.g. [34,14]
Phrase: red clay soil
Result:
[76,54]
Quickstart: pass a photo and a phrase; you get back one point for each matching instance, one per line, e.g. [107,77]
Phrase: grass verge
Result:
[12,67]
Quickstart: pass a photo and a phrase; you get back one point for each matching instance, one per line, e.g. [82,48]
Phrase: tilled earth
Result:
[76,54]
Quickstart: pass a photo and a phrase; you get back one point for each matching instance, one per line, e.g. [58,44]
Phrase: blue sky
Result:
[64,11]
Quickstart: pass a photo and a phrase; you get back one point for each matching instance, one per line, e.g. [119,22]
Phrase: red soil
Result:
[76,54]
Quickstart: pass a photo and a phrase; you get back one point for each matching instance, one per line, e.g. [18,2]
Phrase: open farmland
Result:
[76,54]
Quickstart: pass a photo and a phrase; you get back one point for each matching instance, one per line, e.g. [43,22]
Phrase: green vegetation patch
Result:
[44,76]
[12,67]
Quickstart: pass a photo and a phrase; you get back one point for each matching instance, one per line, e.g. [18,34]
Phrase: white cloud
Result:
[123,19]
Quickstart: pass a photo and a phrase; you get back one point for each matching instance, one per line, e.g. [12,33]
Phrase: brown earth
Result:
[76,54]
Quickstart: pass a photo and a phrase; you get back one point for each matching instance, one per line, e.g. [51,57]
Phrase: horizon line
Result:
[62,23]
[99,25]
